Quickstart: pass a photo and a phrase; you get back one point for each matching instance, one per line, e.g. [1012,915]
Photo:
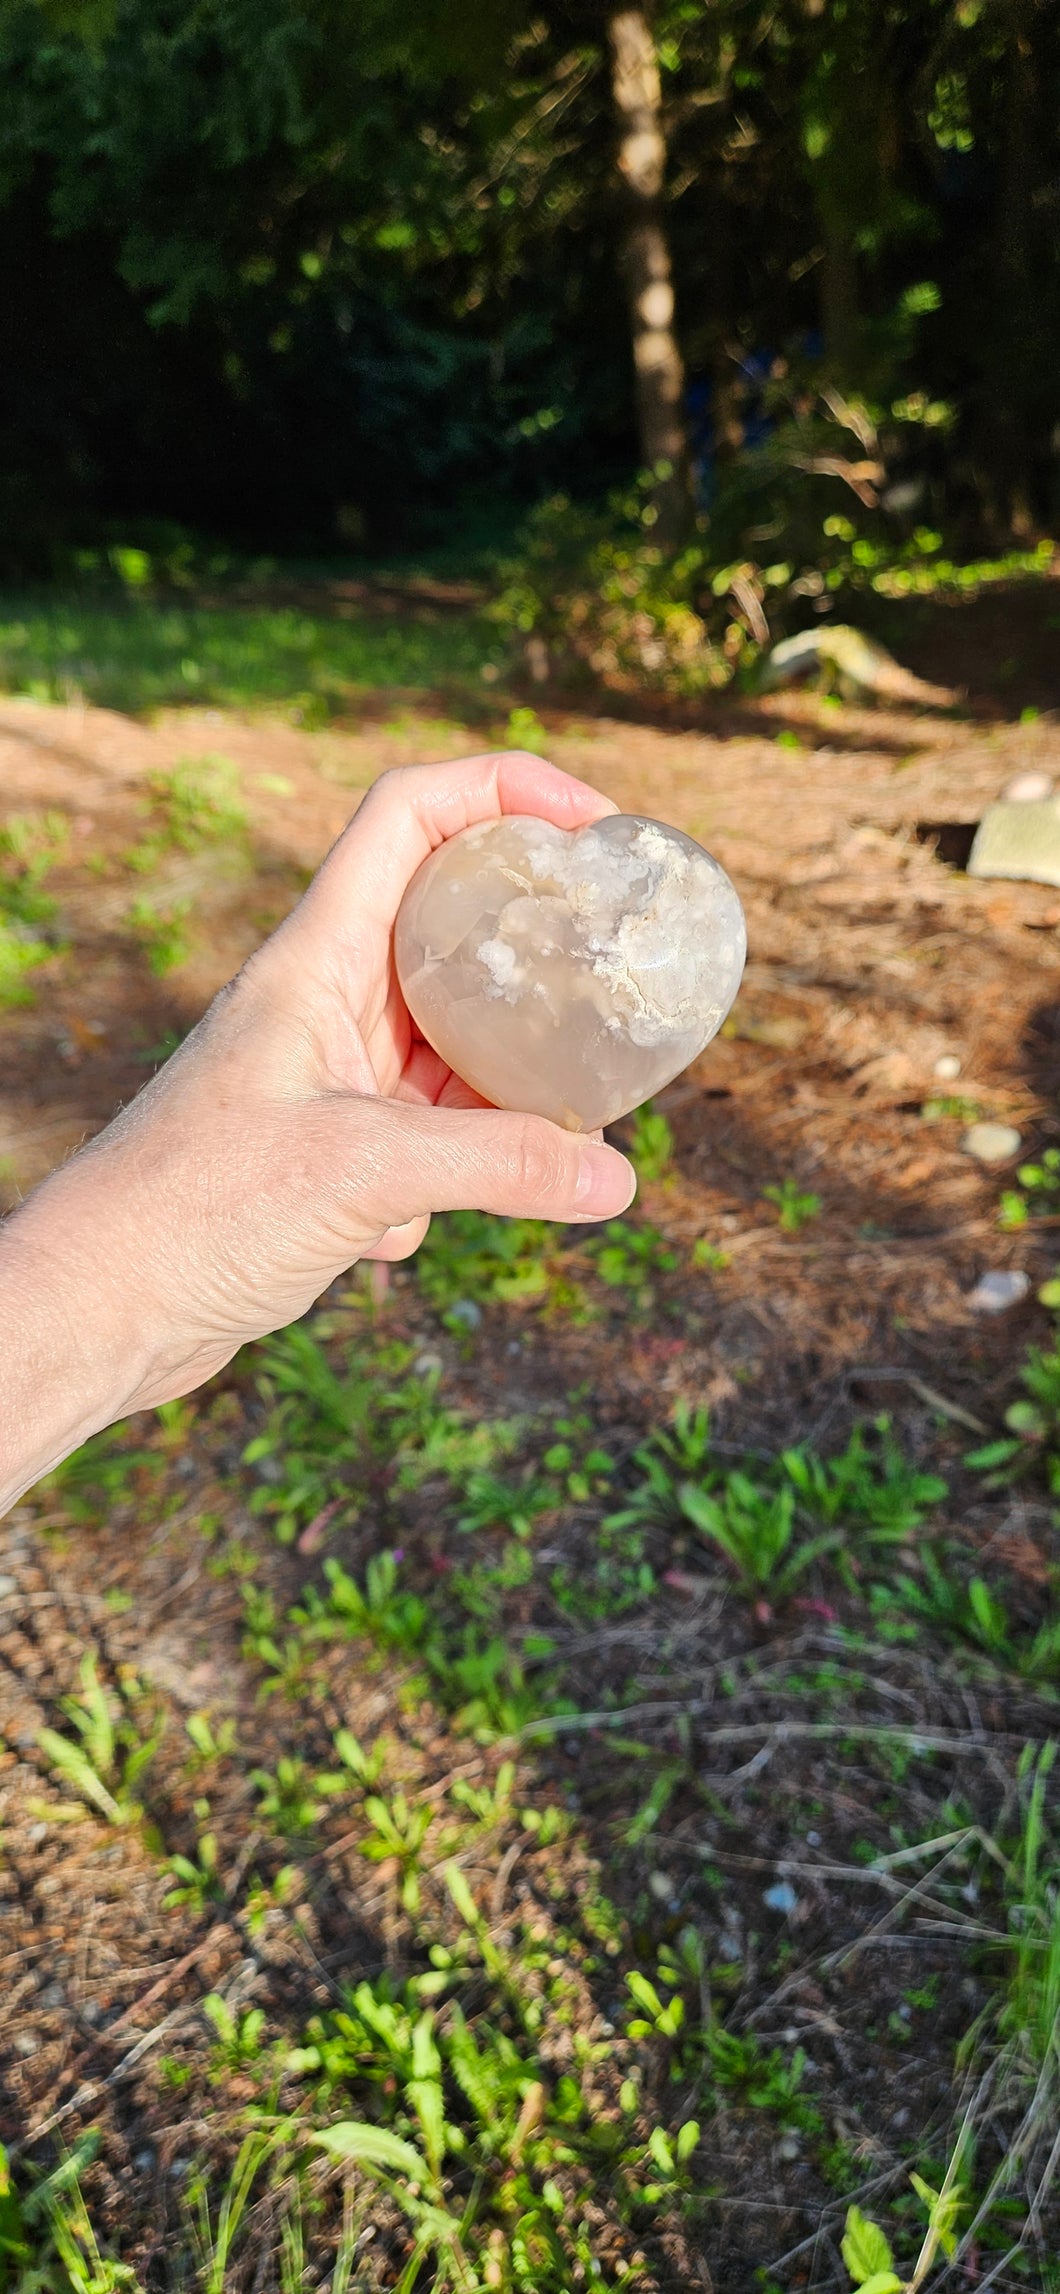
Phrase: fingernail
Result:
[606,1184]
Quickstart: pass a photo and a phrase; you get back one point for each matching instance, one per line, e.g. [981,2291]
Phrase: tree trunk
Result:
[658,367]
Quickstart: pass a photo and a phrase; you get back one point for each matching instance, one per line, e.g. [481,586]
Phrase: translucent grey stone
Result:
[570,973]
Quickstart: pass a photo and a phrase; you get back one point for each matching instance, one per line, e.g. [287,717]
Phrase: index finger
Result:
[407,814]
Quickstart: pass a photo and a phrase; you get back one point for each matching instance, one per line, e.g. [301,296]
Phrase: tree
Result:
[658,366]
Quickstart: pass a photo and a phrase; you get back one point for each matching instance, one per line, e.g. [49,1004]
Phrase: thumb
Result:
[405,1162]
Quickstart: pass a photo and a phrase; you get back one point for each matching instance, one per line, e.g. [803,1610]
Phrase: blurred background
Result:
[302,279]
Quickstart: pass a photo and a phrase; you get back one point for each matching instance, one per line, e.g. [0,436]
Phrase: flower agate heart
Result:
[569,973]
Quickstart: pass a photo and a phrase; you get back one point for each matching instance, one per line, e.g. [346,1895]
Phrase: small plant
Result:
[47,2242]
[869,1483]
[239,2034]
[20,952]
[198,1880]
[651,1143]
[524,730]
[867,2252]
[627,1258]
[398,1831]
[161,933]
[1033,1423]
[1037,1194]
[212,1741]
[293,1798]
[106,1756]
[795,1208]
[755,1529]
[30,845]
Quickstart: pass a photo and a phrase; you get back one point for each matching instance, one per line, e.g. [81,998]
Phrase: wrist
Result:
[76,1351]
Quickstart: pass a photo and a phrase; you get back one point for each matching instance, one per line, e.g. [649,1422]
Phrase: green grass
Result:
[143,654]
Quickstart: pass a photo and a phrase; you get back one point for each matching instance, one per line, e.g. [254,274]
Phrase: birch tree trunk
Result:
[658,367]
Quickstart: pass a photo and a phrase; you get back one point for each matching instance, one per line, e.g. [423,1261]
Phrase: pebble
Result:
[991,1142]
[781,1898]
[1027,788]
[661,1886]
[1001,1287]
[425,1365]
[465,1310]
[948,1067]
[789,2147]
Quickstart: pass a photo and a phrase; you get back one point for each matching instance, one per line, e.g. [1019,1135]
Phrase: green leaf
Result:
[866,2252]
[366,2146]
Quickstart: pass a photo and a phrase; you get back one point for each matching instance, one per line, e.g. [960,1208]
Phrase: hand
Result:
[302,1125]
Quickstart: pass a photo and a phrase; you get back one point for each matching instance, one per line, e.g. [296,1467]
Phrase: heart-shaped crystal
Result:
[569,973]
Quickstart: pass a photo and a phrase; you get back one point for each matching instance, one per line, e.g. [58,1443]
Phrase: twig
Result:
[924,1393]
[776,1732]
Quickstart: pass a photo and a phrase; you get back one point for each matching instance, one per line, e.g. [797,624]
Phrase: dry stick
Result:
[93,2088]
[924,1393]
[777,1732]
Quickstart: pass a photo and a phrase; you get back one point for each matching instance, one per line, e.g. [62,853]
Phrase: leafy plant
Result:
[1037,1194]
[870,1483]
[627,1257]
[105,1758]
[651,1143]
[293,1797]
[198,1880]
[795,1206]
[755,1529]
[161,933]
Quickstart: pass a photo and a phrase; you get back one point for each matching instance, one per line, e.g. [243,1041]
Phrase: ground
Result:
[764,1737]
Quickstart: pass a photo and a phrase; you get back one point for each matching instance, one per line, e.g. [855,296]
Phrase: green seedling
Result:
[629,1258]
[755,1529]
[365,1767]
[1033,1422]
[651,1144]
[161,933]
[399,1830]
[47,2241]
[30,845]
[21,952]
[239,2034]
[199,1882]
[1037,1194]
[490,1502]
[795,1207]
[525,730]
[867,2252]
[105,1758]
[293,1798]
[873,1487]
[212,1742]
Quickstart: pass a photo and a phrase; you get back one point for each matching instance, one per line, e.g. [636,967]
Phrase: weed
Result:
[198,1880]
[211,1742]
[651,1144]
[47,2242]
[627,1258]
[471,1259]
[398,1831]
[524,730]
[872,1486]
[239,2034]
[867,2252]
[1034,1424]
[106,1756]
[292,1797]
[795,1208]
[161,933]
[755,1529]
[1037,1192]
[20,952]
[198,798]
[952,1109]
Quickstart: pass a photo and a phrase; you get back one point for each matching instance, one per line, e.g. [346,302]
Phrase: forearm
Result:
[73,1351]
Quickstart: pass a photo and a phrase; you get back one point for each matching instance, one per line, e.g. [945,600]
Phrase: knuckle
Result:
[540,1163]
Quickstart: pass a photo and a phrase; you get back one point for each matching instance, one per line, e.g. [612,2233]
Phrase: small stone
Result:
[8,1585]
[948,1067]
[1019,842]
[566,973]
[991,1142]
[1027,788]
[426,1364]
[661,1886]
[781,1897]
[1001,1287]
[788,2148]
[465,1311]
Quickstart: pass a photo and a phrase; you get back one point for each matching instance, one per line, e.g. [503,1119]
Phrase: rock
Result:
[991,1142]
[1019,841]
[998,1289]
[570,973]
[948,1067]
[857,666]
[1027,788]
[781,1897]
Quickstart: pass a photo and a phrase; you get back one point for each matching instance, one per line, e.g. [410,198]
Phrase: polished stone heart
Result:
[570,973]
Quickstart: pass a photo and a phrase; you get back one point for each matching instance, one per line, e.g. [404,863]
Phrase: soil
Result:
[871,961]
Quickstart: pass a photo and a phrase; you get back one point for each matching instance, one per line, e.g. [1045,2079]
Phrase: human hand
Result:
[304,1124]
